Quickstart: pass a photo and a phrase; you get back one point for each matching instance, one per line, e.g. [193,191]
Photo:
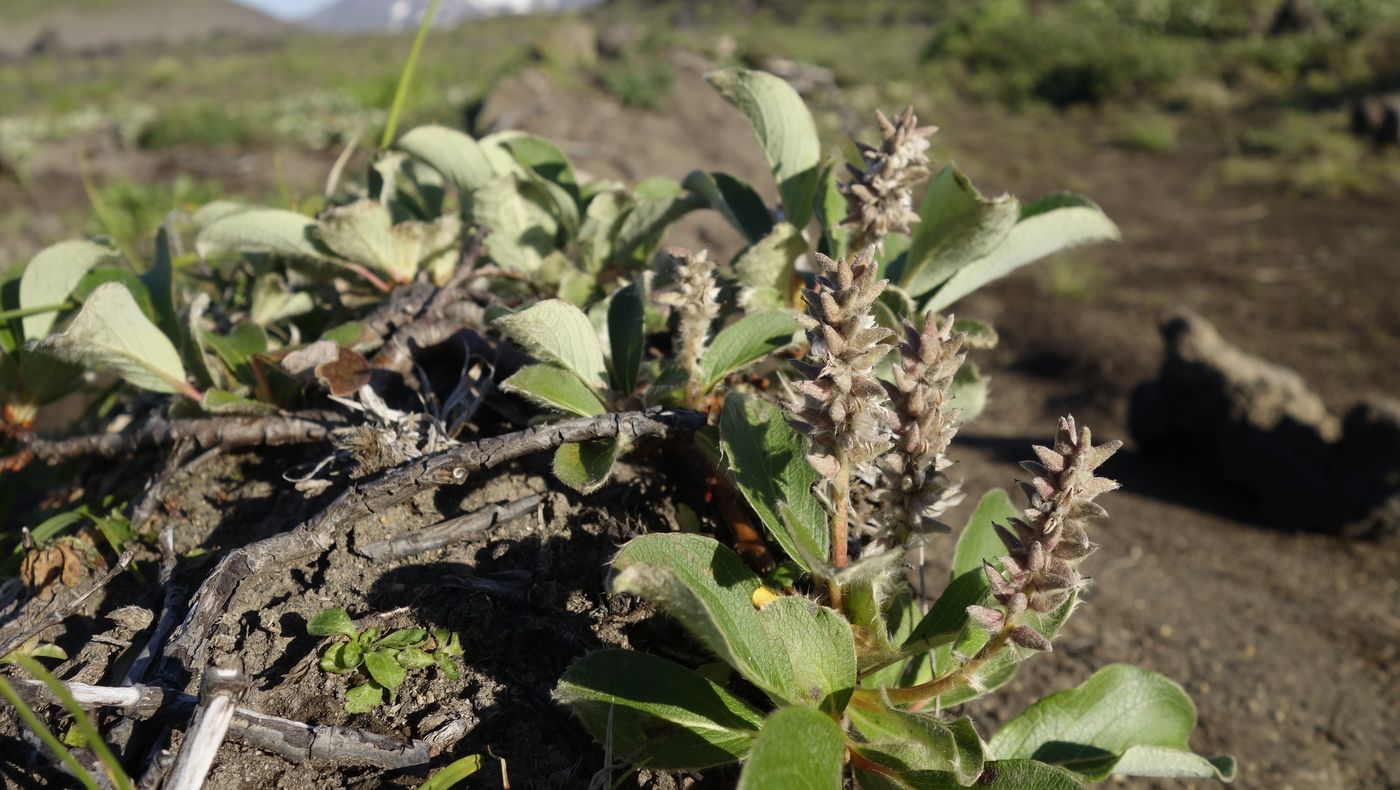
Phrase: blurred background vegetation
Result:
[1265,90]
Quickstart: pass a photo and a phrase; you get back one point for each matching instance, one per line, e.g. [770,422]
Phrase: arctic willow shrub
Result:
[847,675]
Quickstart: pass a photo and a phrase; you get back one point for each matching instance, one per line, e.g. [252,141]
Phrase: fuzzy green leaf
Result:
[626,315]
[659,202]
[237,348]
[768,459]
[656,712]
[1123,719]
[956,226]
[517,214]
[968,392]
[735,200]
[159,280]
[820,651]
[330,623]
[556,331]
[709,589]
[342,657]
[457,156]
[364,232]
[381,666]
[586,466]
[785,129]
[264,230]
[274,301]
[111,332]
[947,618]
[797,749]
[216,401]
[920,742]
[51,276]
[978,541]
[555,388]
[1047,226]
[830,206]
[766,268]
[414,658]
[404,637]
[364,698]
[746,341]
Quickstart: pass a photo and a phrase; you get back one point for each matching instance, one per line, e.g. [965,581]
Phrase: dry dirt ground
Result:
[1288,642]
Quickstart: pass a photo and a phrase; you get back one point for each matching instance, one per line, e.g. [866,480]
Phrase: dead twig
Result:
[294,741]
[206,432]
[61,612]
[452,530]
[367,498]
[221,689]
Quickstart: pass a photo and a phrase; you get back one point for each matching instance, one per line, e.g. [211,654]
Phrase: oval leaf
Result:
[657,713]
[978,542]
[264,230]
[1091,729]
[556,331]
[745,341]
[457,156]
[1048,226]
[586,466]
[626,315]
[555,388]
[735,200]
[381,666]
[111,333]
[797,749]
[956,227]
[51,276]
[785,129]
[330,623]
[766,269]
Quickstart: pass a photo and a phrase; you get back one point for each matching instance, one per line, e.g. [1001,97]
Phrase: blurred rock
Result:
[1258,427]
[1377,118]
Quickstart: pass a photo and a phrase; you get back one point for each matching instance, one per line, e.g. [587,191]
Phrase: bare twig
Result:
[295,741]
[219,693]
[395,486]
[61,612]
[206,432]
[337,169]
[450,531]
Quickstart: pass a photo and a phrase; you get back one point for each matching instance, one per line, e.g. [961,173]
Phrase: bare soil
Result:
[1287,642]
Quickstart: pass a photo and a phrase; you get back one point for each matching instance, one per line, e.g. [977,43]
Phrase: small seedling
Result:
[385,660]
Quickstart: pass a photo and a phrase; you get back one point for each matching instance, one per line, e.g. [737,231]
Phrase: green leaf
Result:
[111,332]
[404,637]
[274,301]
[947,618]
[831,209]
[159,280]
[978,541]
[517,214]
[556,331]
[551,171]
[735,200]
[709,589]
[381,666]
[797,749]
[414,658]
[657,713]
[331,622]
[51,276]
[745,341]
[555,388]
[908,741]
[453,773]
[600,224]
[343,657]
[785,129]
[765,269]
[1123,717]
[820,651]
[1001,668]
[238,347]
[1047,226]
[1026,775]
[659,202]
[265,230]
[956,226]
[586,466]
[216,401]
[968,392]
[365,698]
[457,156]
[626,315]
[768,459]
[364,232]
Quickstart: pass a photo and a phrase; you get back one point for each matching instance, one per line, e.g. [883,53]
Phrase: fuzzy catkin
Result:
[696,300]
[1044,551]
[915,492]
[840,403]
[880,195]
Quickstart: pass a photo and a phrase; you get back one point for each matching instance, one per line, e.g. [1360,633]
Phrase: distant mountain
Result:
[87,25]
[388,16]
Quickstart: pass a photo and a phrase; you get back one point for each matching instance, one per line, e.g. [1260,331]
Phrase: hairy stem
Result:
[840,510]
[958,676]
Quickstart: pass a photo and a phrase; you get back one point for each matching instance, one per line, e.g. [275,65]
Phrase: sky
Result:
[287,9]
